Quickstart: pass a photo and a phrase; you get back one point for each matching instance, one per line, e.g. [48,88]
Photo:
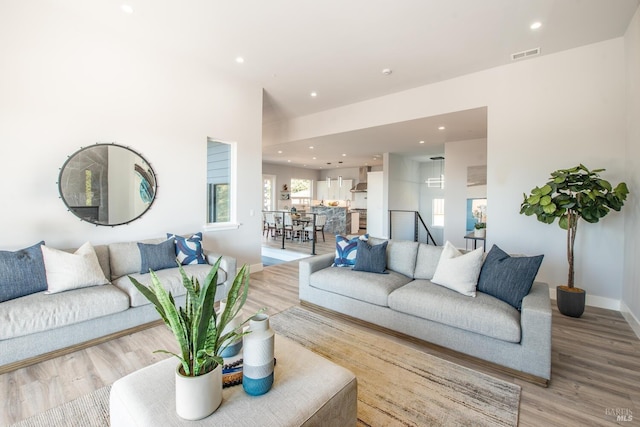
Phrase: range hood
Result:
[361,186]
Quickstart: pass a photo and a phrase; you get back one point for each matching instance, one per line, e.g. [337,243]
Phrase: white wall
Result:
[67,83]
[631,286]
[544,113]
[459,155]
[404,194]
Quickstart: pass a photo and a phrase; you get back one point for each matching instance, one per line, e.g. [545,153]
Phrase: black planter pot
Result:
[570,303]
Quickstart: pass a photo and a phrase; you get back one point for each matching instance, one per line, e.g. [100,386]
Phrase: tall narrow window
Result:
[268,192]
[219,181]
[437,209]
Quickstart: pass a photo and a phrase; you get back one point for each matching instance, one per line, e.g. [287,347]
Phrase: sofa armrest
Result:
[228,264]
[308,266]
[535,321]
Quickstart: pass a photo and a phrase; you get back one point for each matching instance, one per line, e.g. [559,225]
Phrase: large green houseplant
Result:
[572,194]
[198,329]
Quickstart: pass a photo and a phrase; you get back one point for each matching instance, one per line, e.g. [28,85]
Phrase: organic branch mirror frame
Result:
[107,184]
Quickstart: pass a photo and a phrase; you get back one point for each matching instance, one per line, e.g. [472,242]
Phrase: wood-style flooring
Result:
[595,363]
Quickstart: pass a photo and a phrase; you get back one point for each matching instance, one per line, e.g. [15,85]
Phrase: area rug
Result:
[90,410]
[271,256]
[399,385]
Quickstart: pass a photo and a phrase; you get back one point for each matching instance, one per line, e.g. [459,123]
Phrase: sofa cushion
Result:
[170,279]
[371,258]
[458,271]
[508,278]
[367,287]
[427,261]
[401,256]
[124,257]
[66,271]
[483,314]
[157,256]
[347,250]
[188,249]
[41,312]
[22,272]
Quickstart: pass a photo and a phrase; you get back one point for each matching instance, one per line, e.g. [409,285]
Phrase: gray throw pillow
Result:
[22,273]
[157,257]
[508,278]
[372,259]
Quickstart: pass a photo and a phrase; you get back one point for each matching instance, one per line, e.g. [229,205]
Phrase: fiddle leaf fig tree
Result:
[572,194]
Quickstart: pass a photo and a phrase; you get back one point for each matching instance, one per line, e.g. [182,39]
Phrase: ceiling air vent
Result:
[525,54]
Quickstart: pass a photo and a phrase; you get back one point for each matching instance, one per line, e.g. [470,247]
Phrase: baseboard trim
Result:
[631,319]
[81,346]
[593,300]
[543,382]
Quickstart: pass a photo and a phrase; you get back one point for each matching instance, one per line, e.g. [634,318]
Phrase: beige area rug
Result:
[398,385]
[90,410]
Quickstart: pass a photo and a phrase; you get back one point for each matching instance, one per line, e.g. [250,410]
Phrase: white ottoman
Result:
[308,390]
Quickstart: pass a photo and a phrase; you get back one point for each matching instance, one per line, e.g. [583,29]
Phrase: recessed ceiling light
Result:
[288,161]
[421,142]
[535,25]
[240,60]
[441,128]
[126,8]
[314,158]
[344,155]
[311,147]
[314,94]
[387,71]
[279,151]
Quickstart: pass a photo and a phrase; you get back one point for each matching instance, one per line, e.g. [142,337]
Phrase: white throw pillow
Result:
[458,271]
[66,271]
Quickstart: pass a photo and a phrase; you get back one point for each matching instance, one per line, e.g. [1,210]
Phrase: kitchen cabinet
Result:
[321,190]
[335,191]
[355,222]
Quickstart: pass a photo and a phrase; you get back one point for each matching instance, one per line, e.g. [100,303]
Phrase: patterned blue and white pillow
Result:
[189,249]
[346,250]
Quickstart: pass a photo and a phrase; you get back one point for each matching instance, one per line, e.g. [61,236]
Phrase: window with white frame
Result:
[220,182]
[268,192]
[301,192]
[437,213]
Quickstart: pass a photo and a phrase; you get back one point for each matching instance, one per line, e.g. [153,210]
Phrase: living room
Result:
[74,75]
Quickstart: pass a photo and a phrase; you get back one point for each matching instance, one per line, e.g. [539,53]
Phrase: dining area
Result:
[301,228]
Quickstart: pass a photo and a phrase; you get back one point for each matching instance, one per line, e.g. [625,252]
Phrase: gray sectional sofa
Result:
[407,302]
[40,323]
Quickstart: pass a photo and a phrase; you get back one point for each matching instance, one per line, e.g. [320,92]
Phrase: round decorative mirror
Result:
[107,184]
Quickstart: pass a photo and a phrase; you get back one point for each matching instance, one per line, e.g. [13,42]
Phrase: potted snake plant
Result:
[570,195]
[201,336]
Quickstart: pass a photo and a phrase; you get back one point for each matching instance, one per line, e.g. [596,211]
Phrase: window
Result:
[220,180]
[268,192]
[437,209]
[301,192]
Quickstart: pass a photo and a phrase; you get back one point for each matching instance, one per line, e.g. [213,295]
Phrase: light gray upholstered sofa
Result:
[406,301]
[40,323]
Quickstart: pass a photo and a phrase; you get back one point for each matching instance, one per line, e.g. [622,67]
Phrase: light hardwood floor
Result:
[595,371]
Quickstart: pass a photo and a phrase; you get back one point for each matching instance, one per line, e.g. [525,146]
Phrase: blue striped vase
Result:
[258,353]
[231,348]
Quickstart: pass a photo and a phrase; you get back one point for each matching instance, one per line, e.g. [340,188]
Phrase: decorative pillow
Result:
[22,273]
[508,278]
[457,271]
[66,271]
[346,250]
[157,257]
[189,249]
[371,258]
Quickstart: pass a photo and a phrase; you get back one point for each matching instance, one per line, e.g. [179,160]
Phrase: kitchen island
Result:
[338,218]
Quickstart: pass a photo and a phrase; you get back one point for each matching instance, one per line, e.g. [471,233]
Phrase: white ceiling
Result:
[338,48]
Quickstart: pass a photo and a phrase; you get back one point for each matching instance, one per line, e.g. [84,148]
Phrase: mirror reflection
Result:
[107,184]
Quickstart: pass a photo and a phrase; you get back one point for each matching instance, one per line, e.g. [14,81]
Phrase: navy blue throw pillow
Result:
[22,272]
[372,259]
[157,257]
[508,278]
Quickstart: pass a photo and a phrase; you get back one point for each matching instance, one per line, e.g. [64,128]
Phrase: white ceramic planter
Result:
[480,232]
[198,397]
